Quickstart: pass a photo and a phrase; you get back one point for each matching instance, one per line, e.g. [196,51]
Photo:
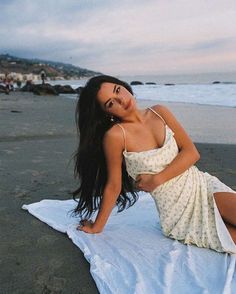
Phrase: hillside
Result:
[53,69]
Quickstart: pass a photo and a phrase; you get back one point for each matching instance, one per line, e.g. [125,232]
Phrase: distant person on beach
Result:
[43,76]
[18,83]
[123,148]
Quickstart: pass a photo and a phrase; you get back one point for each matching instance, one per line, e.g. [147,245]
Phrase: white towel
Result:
[131,255]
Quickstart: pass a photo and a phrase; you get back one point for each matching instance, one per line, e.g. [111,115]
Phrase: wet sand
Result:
[37,140]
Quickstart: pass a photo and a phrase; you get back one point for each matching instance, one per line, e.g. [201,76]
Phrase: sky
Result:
[123,37]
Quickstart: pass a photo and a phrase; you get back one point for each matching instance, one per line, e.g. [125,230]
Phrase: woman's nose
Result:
[120,100]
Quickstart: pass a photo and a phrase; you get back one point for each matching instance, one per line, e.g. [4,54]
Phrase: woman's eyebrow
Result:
[114,89]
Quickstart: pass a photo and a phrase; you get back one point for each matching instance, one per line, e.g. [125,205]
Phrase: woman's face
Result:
[116,99]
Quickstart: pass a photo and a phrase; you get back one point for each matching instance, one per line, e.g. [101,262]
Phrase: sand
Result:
[37,140]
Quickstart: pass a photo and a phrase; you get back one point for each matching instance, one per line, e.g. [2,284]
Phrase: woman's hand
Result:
[148,182]
[87,226]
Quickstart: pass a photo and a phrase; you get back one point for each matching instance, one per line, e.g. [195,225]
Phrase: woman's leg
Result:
[226,203]
[232,231]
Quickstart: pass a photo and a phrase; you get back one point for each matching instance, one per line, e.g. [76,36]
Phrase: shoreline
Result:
[142,101]
[204,123]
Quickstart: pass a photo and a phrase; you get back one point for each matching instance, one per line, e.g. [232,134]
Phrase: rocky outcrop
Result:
[39,89]
[79,90]
[28,87]
[48,89]
[2,89]
[134,83]
[44,89]
[67,89]
[150,83]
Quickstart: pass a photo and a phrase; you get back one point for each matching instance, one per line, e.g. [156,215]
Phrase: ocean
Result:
[195,88]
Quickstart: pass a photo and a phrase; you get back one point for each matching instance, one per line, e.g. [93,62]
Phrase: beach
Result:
[37,141]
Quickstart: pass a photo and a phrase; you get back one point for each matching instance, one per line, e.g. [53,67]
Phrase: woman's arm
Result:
[187,156]
[113,145]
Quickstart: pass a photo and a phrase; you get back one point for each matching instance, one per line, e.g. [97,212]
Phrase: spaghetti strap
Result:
[123,130]
[157,114]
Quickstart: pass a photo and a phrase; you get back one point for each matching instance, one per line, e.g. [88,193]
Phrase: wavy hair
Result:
[90,163]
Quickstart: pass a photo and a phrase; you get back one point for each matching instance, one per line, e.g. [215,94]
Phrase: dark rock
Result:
[44,89]
[28,87]
[39,89]
[79,90]
[134,83]
[67,89]
[2,89]
[169,84]
[5,89]
[150,83]
[216,82]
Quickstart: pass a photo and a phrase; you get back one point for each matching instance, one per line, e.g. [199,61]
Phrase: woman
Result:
[120,143]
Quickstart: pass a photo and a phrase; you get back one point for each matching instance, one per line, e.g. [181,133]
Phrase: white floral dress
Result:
[185,203]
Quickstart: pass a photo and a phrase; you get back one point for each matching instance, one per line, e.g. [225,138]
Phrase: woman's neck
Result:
[136,116]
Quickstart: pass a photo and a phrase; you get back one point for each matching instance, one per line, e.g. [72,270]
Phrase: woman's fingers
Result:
[85,222]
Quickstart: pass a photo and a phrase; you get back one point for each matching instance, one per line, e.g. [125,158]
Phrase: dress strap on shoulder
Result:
[157,115]
[123,131]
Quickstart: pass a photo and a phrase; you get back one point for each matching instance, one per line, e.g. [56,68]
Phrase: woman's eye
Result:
[110,104]
[117,90]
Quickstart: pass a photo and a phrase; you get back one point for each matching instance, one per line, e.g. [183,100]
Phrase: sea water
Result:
[198,89]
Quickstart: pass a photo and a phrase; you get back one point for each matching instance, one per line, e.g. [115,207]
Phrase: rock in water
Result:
[44,89]
[67,89]
[134,83]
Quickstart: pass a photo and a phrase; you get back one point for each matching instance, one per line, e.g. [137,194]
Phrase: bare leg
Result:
[232,231]
[226,203]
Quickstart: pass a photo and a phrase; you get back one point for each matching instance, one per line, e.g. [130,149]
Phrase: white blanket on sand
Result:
[131,255]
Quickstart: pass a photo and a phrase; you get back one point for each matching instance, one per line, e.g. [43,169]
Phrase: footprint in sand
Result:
[22,194]
[47,282]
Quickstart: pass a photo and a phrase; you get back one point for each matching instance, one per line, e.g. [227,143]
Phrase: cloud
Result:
[122,37]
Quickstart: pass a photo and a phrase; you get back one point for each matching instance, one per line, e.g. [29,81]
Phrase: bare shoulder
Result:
[167,115]
[181,136]
[114,139]
[163,111]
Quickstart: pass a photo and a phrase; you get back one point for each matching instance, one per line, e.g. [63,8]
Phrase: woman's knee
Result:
[226,204]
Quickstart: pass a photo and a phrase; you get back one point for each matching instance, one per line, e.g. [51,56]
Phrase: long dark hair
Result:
[90,163]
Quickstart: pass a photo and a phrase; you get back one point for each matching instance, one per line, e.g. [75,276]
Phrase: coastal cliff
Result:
[15,66]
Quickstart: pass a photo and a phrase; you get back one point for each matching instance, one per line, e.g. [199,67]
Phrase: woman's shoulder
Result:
[114,136]
[163,111]
[160,108]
